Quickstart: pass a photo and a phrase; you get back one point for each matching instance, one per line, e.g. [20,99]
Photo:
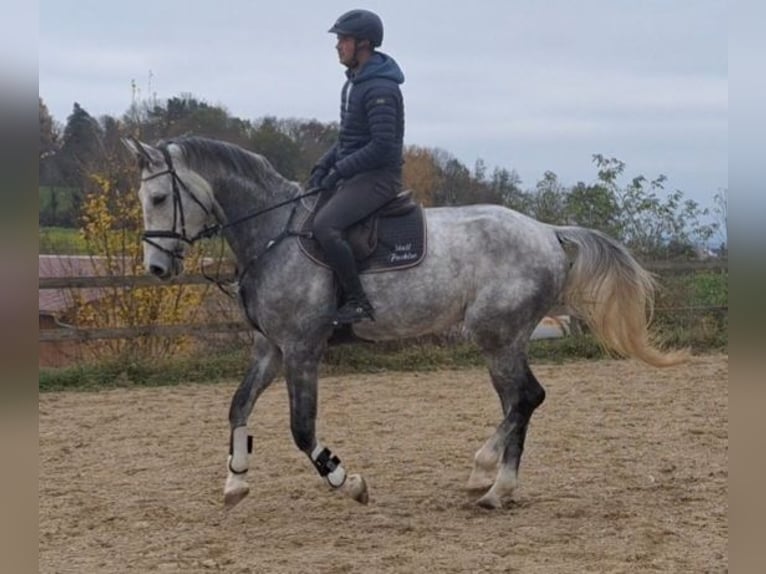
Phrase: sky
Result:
[526,85]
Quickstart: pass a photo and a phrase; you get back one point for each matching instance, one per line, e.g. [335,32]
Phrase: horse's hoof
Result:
[478,482]
[234,496]
[490,501]
[356,488]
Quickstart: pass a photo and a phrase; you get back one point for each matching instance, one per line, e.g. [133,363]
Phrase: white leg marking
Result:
[355,488]
[236,487]
[504,485]
[484,465]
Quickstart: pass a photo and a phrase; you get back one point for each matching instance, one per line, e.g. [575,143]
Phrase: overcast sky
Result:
[530,85]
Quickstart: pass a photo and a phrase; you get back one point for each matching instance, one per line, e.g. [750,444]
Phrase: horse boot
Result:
[356,307]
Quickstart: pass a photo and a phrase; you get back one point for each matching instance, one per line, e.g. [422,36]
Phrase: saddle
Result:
[393,237]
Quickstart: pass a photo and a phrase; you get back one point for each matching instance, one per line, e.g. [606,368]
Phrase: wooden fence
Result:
[81,334]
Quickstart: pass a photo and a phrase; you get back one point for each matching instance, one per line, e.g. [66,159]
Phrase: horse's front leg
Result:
[302,372]
[260,374]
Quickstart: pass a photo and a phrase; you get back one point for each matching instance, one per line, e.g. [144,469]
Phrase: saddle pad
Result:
[401,244]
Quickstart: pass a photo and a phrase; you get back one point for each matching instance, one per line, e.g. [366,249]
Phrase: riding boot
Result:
[356,307]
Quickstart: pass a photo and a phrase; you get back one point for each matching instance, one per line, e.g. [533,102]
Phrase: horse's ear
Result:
[145,154]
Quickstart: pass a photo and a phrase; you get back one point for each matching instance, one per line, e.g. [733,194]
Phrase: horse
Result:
[488,268]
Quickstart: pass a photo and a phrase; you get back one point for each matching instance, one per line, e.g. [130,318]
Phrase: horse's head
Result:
[176,202]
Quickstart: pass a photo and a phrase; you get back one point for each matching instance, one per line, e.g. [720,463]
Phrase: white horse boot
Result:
[240,447]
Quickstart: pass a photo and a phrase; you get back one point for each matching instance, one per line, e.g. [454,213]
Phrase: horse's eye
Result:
[158,200]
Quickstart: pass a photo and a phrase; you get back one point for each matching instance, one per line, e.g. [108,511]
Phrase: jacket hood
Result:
[379,65]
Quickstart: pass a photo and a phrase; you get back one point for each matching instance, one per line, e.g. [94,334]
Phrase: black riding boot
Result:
[356,307]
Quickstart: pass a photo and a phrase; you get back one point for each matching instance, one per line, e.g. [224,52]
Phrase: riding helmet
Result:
[360,24]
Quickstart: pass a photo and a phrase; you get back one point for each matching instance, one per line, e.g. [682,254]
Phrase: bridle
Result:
[178,211]
[209,230]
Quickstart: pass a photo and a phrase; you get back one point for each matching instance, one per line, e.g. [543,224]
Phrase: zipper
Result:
[347,98]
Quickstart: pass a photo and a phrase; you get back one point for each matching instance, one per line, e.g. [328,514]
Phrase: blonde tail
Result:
[614,295]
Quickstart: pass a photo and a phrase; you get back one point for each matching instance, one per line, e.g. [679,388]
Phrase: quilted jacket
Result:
[371,119]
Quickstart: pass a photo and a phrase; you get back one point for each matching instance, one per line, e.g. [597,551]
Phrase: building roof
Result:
[57,301]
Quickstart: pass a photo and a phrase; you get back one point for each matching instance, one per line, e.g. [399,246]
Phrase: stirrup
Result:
[353,312]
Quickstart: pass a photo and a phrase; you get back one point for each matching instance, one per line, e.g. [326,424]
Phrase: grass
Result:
[61,241]
[692,310]
[230,364]
[341,360]
[129,373]
[69,241]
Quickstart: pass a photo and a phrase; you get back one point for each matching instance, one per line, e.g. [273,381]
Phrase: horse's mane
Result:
[218,159]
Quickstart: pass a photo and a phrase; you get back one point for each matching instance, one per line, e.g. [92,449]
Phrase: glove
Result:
[318,173]
[331,180]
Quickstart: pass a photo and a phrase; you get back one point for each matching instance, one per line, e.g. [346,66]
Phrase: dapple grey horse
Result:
[493,270]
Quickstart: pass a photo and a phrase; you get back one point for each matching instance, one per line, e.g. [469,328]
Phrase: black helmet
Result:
[361,24]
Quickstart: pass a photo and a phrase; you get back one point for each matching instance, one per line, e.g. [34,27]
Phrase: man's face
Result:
[346,47]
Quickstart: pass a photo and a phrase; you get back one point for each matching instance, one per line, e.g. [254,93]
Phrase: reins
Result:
[215,229]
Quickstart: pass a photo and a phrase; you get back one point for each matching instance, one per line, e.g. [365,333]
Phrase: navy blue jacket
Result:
[371,119]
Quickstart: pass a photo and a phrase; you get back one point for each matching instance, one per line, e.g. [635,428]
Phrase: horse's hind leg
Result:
[260,374]
[485,463]
[520,394]
[301,371]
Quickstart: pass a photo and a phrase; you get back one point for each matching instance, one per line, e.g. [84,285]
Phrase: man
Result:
[363,170]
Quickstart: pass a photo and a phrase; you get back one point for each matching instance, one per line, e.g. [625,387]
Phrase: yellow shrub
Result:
[112,227]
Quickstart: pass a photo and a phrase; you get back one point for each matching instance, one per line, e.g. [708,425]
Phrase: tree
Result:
[721,214]
[651,221]
[548,203]
[456,181]
[78,150]
[267,139]
[81,146]
[185,114]
[49,136]
[593,206]
[312,138]
[48,171]
[481,189]
[479,170]
[506,186]
[421,174]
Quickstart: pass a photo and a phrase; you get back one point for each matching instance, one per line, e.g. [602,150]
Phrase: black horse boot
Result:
[356,307]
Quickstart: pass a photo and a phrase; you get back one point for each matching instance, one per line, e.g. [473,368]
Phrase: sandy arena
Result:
[625,470]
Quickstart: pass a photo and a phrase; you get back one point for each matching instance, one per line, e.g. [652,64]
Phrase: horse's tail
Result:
[608,289]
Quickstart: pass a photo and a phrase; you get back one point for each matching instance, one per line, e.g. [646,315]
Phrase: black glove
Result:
[317,175]
[331,180]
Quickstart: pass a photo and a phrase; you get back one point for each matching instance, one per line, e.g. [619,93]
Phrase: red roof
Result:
[55,301]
